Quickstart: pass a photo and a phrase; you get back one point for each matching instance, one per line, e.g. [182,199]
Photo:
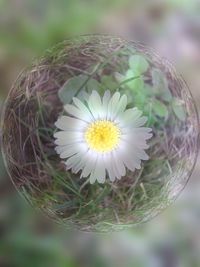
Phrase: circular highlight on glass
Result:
[100,133]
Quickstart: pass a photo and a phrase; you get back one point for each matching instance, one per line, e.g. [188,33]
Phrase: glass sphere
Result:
[109,92]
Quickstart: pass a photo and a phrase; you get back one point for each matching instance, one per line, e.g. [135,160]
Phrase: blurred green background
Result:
[27,29]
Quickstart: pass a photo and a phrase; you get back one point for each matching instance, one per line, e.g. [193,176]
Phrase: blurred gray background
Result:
[27,28]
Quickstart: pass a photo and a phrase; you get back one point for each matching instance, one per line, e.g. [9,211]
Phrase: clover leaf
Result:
[134,81]
[160,109]
[77,86]
[108,82]
[138,64]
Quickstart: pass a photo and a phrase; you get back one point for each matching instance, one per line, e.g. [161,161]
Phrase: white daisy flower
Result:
[101,137]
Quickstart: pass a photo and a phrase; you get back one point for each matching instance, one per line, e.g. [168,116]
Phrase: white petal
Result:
[137,137]
[112,105]
[68,134]
[77,113]
[70,151]
[119,164]
[72,161]
[100,172]
[115,169]
[92,178]
[135,141]
[60,149]
[141,154]
[90,163]
[106,99]
[67,124]
[121,105]
[94,104]
[109,166]
[65,138]
[76,159]
[82,107]
[139,122]
[130,164]
[129,116]
[128,156]
[142,133]
[80,165]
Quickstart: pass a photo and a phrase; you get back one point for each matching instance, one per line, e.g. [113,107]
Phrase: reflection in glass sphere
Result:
[100,133]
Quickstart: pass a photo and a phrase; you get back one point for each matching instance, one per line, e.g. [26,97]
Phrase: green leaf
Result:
[160,109]
[71,88]
[133,81]
[109,82]
[178,109]
[91,85]
[160,85]
[138,64]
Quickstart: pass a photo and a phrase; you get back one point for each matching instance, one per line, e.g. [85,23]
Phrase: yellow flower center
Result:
[102,136]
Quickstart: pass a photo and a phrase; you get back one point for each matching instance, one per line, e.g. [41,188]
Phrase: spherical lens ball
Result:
[100,133]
